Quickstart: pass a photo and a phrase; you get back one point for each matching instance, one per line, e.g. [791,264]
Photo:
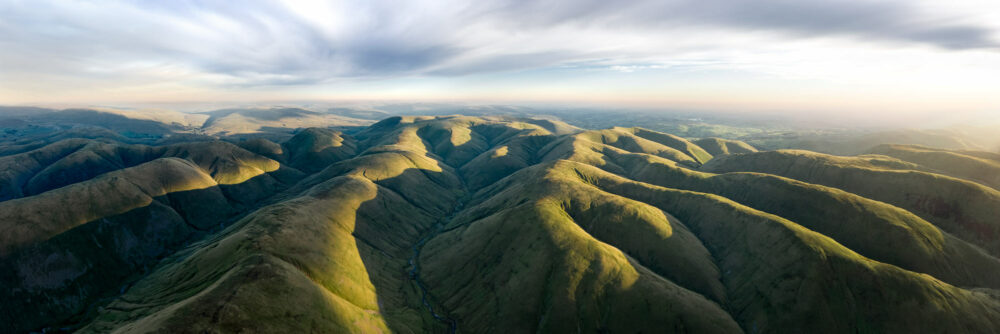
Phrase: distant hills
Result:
[253,221]
[25,128]
[24,125]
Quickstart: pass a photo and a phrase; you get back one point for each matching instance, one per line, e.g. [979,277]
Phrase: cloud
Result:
[506,62]
[883,20]
[380,58]
[267,43]
[900,21]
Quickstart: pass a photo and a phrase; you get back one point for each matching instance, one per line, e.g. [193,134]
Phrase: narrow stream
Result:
[415,268]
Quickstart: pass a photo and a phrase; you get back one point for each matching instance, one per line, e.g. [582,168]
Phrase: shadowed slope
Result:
[486,224]
[590,145]
[404,166]
[67,246]
[782,277]
[76,160]
[532,268]
[16,170]
[678,143]
[300,254]
[338,247]
[313,149]
[236,121]
[36,218]
[874,229]
[969,165]
[962,208]
[22,145]
[719,146]
[264,147]
[537,254]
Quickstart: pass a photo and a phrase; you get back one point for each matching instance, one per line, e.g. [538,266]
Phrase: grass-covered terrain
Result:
[451,224]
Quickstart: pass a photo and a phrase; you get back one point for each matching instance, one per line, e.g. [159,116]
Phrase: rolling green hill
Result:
[488,224]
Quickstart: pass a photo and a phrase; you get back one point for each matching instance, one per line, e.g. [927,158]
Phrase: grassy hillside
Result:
[487,224]
[963,208]
[874,229]
[87,217]
[719,146]
[981,167]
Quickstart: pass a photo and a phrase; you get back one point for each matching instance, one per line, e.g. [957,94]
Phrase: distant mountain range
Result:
[253,221]
[28,127]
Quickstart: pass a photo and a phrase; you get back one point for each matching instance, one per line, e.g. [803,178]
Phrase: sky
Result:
[891,57]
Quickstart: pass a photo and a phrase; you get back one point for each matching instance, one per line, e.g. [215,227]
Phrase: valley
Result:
[494,224]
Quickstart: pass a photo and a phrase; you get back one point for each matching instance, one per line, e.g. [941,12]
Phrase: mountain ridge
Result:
[490,224]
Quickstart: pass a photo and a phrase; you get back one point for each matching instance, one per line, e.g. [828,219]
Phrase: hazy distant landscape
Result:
[24,124]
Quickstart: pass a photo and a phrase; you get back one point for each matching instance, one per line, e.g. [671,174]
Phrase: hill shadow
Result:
[60,283]
[390,231]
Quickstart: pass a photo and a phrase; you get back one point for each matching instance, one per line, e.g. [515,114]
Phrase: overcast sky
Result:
[857,56]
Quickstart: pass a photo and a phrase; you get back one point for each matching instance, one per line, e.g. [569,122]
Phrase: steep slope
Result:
[76,160]
[783,277]
[32,122]
[64,249]
[24,144]
[86,216]
[591,146]
[28,220]
[488,224]
[313,149]
[981,167]
[403,166]
[16,170]
[309,256]
[874,229]
[719,146]
[264,147]
[254,120]
[962,208]
[534,268]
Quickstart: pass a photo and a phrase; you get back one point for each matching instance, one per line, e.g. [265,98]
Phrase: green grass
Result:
[510,225]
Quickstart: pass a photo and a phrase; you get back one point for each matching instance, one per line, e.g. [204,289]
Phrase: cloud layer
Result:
[257,43]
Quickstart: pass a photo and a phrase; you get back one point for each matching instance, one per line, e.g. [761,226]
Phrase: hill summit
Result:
[451,224]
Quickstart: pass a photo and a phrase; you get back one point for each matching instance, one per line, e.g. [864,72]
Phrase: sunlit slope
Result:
[535,254]
[89,216]
[22,145]
[313,149]
[74,160]
[782,277]
[405,159]
[481,150]
[590,146]
[62,249]
[981,167]
[256,120]
[966,209]
[311,264]
[35,218]
[489,224]
[17,170]
[719,146]
[342,245]
[874,229]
